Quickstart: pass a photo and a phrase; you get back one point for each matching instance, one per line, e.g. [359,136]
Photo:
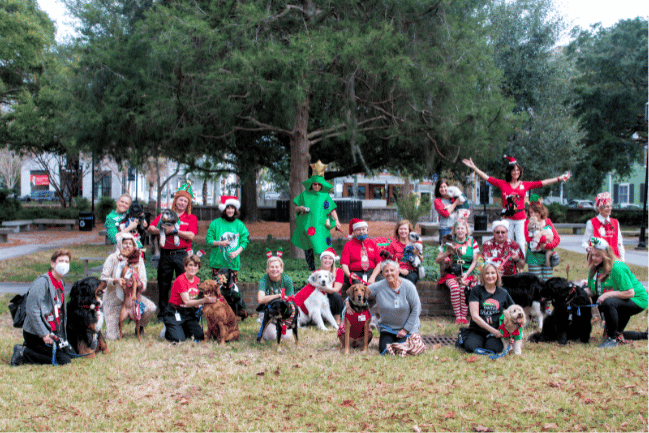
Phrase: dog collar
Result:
[90,307]
[356,304]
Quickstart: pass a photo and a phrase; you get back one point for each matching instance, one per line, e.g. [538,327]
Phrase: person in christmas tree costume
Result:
[316,210]
[229,237]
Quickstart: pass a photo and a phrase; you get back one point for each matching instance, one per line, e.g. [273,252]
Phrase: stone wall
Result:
[434,301]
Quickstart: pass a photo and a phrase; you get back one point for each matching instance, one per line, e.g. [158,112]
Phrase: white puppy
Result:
[317,303]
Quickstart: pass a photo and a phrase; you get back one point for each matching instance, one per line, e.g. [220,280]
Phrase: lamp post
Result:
[642,244]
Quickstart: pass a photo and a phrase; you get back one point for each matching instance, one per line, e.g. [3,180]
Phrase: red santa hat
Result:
[329,252]
[229,200]
[355,223]
[510,160]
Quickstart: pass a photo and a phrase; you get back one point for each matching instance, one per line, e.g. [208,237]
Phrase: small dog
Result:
[230,291]
[355,329]
[450,265]
[455,193]
[85,317]
[283,314]
[135,212]
[509,208]
[168,218]
[314,304]
[413,253]
[539,234]
[512,328]
[132,306]
[221,321]
[525,289]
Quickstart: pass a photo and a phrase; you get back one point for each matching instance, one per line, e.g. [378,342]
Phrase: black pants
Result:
[310,259]
[389,338]
[474,340]
[335,303]
[412,276]
[37,352]
[171,261]
[187,327]
[617,313]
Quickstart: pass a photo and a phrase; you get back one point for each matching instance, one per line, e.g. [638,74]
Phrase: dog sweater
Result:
[301,296]
[357,322]
[516,335]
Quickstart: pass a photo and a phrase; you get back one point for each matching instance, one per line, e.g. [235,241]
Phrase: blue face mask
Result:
[361,237]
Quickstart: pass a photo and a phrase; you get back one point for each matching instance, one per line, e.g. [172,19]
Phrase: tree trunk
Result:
[205,192]
[300,160]
[249,209]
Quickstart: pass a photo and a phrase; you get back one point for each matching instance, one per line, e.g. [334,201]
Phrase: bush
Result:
[412,207]
[105,206]
[557,212]
[82,204]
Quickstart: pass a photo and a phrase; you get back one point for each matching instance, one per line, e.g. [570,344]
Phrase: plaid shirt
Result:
[491,251]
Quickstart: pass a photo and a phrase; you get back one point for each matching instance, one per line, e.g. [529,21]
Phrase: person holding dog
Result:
[360,255]
[398,303]
[537,260]
[604,227]
[614,287]
[458,259]
[172,256]
[230,236]
[445,206]
[504,252]
[181,316]
[316,210]
[45,319]
[487,302]
[114,295]
[516,189]
[396,249]
[114,218]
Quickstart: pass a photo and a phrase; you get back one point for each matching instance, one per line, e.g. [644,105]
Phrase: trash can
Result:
[281,211]
[348,209]
[480,222]
[86,221]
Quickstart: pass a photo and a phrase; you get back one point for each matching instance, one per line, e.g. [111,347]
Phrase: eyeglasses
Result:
[500,233]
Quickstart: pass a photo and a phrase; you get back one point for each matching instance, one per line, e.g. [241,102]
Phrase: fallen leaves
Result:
[481,428]
[347,403]
[473,358]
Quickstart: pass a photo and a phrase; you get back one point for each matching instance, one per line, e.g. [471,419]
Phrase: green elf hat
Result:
[318,177]
[534,198]
[186,191]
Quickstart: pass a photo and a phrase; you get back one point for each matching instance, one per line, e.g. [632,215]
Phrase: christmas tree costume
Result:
[313,230]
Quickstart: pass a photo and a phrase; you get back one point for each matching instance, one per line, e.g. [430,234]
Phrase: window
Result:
[103,184]
[623,193]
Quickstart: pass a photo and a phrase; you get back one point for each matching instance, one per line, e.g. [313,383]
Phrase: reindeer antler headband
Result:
[278,253]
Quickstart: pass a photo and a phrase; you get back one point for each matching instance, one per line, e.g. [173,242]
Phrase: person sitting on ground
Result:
[487,302]
[273,285]
[537,260]
[116,216]
[504,252]
[45,319]
[604,227]
[114,295]
[617,291]
[328,263]
[360,255]
[397,247]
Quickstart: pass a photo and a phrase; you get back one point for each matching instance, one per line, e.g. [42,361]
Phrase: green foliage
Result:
[105,206]
[557,212]
[432,268]
[412,206]
[82,204]
[9,208]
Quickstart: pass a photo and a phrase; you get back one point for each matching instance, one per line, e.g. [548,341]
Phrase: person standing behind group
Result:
[230,236]
[536,260]
[116,216]
[172,256]
[444,208]
[604,227]
[397,247]
[360,254]
[514,186]
[45,319]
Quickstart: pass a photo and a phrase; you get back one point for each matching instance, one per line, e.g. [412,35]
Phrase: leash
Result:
[389,330]
[569,307]
[492,355]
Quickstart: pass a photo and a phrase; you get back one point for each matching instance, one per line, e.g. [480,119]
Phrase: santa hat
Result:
[229,200]
[355,223]
[510,160]
[602,199]
[329,252]
[500,223]
[599,243]
[186,191]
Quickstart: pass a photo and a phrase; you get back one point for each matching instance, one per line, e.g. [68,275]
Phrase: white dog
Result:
[317,303]
[512,328]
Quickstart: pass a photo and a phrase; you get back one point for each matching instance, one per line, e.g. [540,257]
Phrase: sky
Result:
[581,13]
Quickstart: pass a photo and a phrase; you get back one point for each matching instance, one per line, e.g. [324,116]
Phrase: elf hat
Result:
[510,160]
[329,252]
[599,243]
[229,200]
[186,191]
[602,199]
[500,223]
[355,223]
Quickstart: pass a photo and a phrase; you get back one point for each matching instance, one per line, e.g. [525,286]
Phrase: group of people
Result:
[392,280]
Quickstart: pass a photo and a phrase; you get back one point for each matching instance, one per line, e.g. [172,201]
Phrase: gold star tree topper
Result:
[318,168]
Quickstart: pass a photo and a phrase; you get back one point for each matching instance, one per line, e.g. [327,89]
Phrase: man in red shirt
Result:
[360,254]
[172,256]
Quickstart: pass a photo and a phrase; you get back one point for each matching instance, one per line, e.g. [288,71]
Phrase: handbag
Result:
[554,259]
[412,346]
[18,309]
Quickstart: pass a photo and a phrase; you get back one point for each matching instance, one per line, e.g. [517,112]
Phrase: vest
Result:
[608,233]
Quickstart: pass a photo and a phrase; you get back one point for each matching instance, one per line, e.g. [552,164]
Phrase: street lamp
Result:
[643,227]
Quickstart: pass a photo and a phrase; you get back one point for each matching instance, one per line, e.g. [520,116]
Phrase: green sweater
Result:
[220,256]
[620,279]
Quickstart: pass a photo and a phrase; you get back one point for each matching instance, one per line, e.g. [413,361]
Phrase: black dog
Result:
[510,207]
[284,315]
[231,294]
[570,318]
[85,317]
[134,212]
[525,289]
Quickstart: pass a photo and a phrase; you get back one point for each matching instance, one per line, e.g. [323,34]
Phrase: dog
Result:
[539,234]
[230,291]
[512,328]
[283,314]
[509,208]
[134,212]
[168,218]
[449,265]
[455,193]
[132,306]
[313,303]
[413,253]
[355,329]
[525,289]
[571,314]
[221,322]
[85,317]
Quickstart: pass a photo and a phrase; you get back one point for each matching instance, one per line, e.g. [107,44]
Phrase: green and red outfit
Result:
[465,259]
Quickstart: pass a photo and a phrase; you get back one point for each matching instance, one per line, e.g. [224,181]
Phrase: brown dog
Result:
[132,290]
[356,326]
[221,322]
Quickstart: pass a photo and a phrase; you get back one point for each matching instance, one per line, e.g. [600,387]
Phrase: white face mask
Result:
[62,268]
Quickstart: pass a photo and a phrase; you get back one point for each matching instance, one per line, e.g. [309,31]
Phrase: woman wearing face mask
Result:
[360,255]
[45,318]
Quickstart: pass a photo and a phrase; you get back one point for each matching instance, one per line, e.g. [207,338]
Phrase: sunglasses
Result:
[500,233]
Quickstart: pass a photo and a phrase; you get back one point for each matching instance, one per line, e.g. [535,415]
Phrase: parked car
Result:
[629,206]
[550,200]
[271,196]
[584,204]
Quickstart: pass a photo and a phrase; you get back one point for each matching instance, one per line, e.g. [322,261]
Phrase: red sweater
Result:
[519,194]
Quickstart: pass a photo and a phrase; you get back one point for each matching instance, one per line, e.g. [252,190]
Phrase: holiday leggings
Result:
[460,308]
[541,271]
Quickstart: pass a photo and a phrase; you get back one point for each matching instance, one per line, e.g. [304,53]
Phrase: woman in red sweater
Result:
[514,188]
[537,262]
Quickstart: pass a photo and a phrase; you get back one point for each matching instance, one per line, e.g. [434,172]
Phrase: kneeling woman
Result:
[619,293]
[180,316]
[487,302]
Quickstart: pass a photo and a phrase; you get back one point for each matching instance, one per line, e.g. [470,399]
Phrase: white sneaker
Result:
[162,333]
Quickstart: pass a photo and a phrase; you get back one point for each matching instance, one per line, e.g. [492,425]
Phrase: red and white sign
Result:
[39,179]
